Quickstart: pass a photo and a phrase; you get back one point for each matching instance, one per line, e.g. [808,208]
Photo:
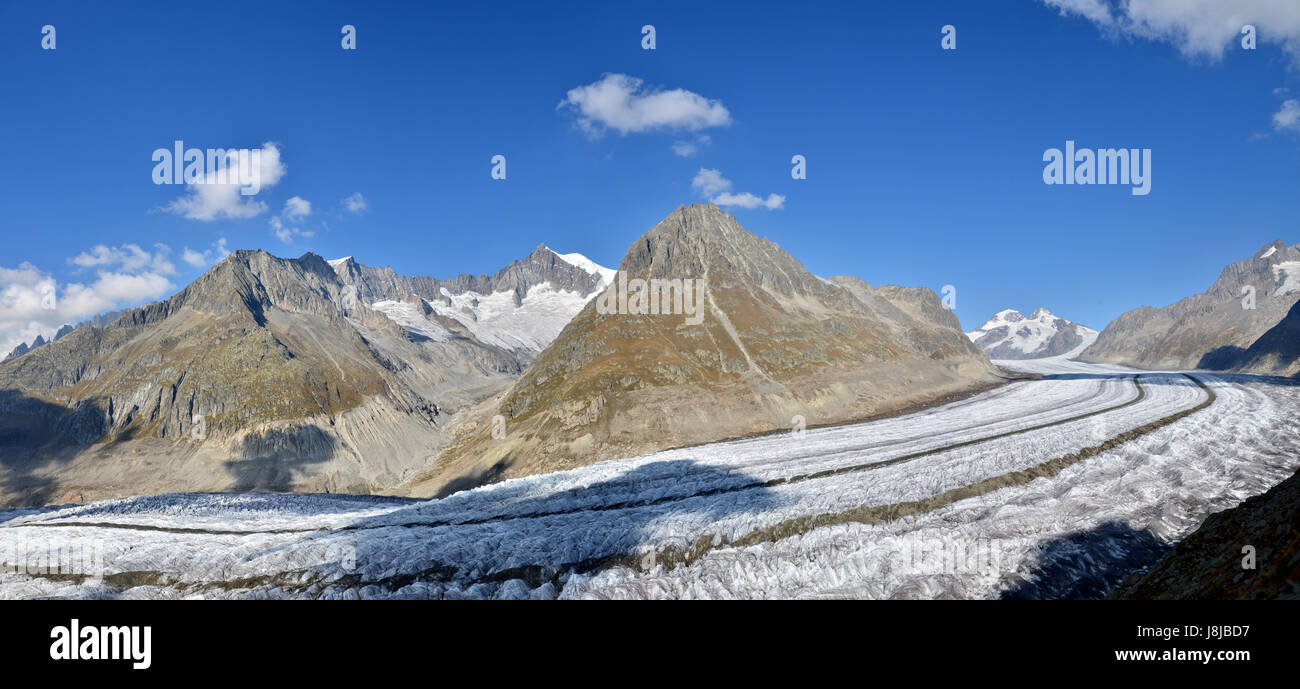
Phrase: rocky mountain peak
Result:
[702,238]
[758,340]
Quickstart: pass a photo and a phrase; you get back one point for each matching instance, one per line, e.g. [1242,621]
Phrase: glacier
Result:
[1051,486]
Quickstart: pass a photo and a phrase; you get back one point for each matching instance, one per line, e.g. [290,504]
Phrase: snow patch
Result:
[411,317]
[496,320]
[1286,276]
[580,261]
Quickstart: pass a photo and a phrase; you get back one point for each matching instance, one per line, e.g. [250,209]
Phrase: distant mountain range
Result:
[1010,335]
[98,321]
[303,374]
[1246,321]
[310,375]
[276,374]
[520,309]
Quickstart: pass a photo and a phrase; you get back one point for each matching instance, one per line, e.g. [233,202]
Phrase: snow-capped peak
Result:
[580,261]
[339,261]
[1006,316]
[1009,335]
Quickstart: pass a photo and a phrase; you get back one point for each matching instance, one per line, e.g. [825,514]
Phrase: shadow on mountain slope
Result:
[1221,358]
[272,460]
[27,425]
[1276,351]
[1087,565]
[1248,552]
[474,478]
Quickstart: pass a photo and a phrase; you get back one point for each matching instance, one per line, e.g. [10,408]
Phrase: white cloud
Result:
[286,233]
[201,259]
[32,302]
[686,149]
[709,182]
[356,203]
[128,257]
[1199,28]
[748,200]
[712,185]
[283,226]
[193,258]
[296,207]
[1096,10]
[1288,118]
[109,290]
[618,102]
[215,199]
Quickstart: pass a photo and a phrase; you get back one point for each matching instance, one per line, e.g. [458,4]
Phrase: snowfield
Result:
[496,320]
[1050,487]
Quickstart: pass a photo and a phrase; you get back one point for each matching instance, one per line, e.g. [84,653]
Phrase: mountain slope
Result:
[1010,335]
[769,342]
[1208,564]
[1212,329]
[265,373]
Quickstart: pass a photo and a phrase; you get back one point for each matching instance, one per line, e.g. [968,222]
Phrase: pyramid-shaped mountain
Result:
[710,332]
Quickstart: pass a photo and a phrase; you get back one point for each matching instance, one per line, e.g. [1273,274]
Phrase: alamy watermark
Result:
[75,641]
[654,297]
[44,557]
[1100,166]
[238,166]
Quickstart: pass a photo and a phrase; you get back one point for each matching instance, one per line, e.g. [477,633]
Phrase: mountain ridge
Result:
[775,343]
[262,373]
[1212,329]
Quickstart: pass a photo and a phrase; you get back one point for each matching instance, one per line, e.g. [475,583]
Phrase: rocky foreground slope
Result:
[770,347]
[1227,327]
[269,374]
[1214,563]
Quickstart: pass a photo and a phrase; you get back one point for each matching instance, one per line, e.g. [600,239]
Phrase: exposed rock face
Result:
[1209,563]
[1010,335]
[520,309]
[1214,329]
[771,342]
[263,374]
[1276,351]
[542,266]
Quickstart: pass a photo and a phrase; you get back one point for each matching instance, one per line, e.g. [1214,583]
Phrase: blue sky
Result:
[924,166]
